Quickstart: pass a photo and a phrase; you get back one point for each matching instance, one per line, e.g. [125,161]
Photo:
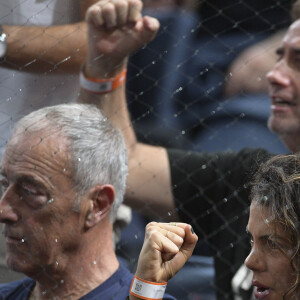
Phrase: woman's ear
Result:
[101,199]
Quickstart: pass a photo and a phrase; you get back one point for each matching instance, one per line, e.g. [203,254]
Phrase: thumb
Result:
[185,252]
[189,243]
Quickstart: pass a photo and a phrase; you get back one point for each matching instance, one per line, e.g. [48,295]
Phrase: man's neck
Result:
[291,142]
[78,275]
[76,286]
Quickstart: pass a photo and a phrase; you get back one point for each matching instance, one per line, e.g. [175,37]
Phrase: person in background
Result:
[41,56]
[202,82]
[203,78]
[210,191]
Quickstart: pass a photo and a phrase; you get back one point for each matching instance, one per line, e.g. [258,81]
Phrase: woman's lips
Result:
[261,293]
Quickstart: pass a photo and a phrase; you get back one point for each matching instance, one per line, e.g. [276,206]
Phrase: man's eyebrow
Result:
[29,179]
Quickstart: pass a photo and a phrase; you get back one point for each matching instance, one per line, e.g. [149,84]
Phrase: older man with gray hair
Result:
[63,177]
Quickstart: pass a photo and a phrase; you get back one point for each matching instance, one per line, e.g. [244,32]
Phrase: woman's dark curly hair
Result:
[276,185]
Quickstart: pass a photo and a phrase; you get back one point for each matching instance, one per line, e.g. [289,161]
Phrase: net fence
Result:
[199,85]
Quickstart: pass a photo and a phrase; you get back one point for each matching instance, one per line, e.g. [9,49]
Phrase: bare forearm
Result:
[113,34]
[44,49]
[113,105]
[149,182]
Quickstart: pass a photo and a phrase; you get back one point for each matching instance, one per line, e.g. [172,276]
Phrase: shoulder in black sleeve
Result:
[211,193]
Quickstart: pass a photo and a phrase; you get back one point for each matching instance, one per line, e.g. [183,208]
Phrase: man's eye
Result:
[3,184]
[27,190]
[32,196]
[279,54]
[295,64]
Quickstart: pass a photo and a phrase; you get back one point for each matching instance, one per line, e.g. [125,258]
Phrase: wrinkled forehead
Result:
[45,146]
[292,37]
[29,141]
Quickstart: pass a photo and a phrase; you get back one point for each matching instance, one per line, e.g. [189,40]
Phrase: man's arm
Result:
[46,48]
[116,30]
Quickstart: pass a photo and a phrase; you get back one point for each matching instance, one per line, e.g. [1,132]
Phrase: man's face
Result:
[40,226]
[273,275]
[284,86]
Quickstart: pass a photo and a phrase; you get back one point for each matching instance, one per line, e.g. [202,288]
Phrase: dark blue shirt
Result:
[114,288]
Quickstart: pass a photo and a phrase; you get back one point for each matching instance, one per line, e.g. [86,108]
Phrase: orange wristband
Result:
[102,86]
[147,290]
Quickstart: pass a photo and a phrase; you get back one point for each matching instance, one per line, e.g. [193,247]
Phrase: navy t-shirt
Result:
[114,288]
[244,16]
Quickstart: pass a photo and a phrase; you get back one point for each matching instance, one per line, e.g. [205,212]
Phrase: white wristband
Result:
[101,86]
[147,290]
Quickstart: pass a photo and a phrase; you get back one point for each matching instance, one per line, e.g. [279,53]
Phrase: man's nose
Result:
[255,261]
[7,212]
[279,75]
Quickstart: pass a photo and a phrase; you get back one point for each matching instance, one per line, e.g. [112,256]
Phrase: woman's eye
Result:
[272,244]
[251,241]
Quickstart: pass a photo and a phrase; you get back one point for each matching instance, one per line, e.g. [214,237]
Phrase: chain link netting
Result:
[199,85]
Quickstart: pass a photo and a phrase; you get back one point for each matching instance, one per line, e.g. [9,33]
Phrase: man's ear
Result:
[101,199]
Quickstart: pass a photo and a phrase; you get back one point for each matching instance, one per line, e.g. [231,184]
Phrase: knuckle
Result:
[180,239]
[135,3]
[180,232]
[151,235]
[122,5]
[93,11]
[108,8]
[150,226]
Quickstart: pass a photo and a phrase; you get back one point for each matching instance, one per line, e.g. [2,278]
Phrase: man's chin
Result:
[17,264]
[274,126]
[14,266]
[289,133]
[281,126]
